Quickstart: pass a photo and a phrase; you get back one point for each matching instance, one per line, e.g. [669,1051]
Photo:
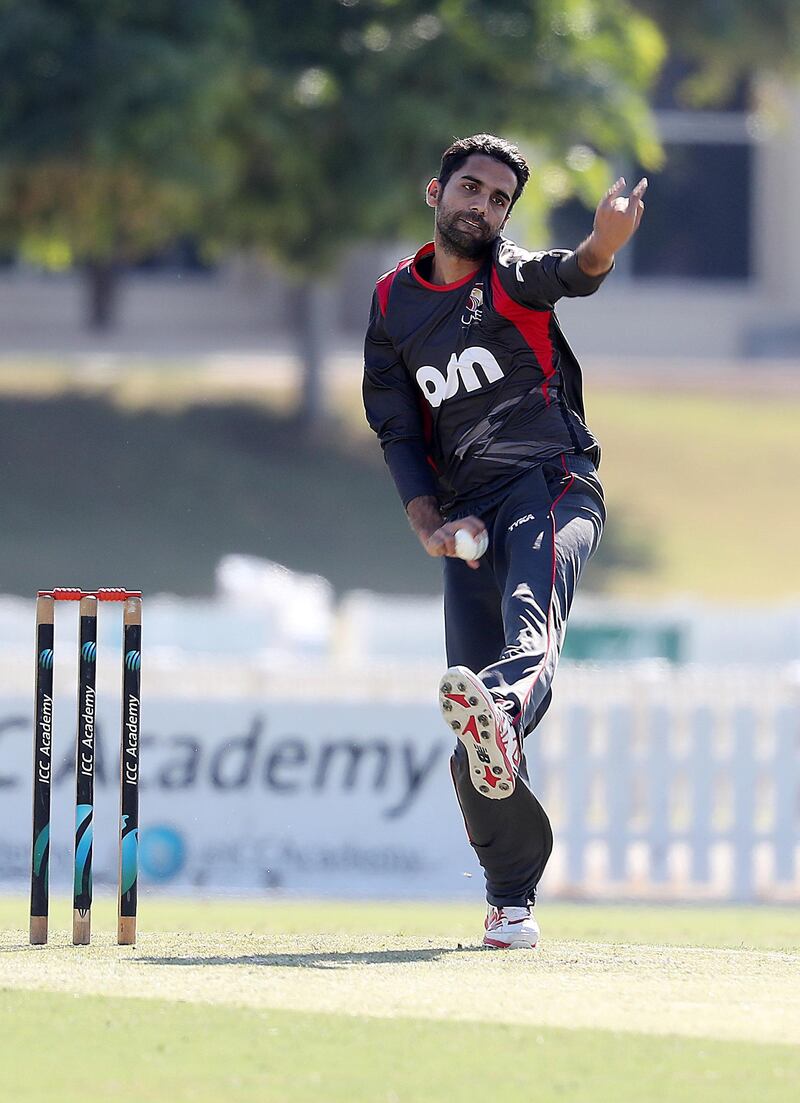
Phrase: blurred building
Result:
[712,272]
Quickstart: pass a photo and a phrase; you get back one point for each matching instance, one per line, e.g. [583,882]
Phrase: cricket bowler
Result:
[477,401]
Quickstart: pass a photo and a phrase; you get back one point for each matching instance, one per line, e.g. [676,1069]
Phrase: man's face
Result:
[474,205]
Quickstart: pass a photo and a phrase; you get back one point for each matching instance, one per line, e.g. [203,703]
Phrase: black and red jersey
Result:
[470,383]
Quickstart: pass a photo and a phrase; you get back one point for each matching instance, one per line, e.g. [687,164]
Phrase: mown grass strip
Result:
[69,1048]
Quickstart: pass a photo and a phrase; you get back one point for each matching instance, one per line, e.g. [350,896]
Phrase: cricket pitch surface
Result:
[739,997]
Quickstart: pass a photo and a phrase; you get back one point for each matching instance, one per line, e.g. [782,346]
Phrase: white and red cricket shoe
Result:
[510,929]
[489,736]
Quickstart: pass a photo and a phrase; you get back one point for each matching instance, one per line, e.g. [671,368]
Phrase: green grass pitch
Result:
[327,1001]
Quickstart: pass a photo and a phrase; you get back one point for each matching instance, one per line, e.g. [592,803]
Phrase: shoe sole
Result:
[467,708]
[495,944]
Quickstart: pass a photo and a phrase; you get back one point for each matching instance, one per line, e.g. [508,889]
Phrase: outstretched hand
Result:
[618,216]
[615,221]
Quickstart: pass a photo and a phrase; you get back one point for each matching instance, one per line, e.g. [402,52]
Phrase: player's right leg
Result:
[491,741]
[474,637]
[547,531]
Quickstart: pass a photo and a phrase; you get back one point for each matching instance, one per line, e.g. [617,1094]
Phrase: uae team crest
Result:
[474,310]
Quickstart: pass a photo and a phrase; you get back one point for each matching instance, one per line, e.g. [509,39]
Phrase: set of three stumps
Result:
[85,760]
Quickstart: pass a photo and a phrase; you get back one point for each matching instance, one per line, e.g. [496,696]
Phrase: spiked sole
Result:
[468,708]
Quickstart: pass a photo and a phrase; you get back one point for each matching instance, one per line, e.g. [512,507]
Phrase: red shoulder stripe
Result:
[533,325]
[384,284]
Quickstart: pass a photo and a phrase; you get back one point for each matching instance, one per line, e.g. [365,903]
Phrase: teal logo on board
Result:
[46,658]
[133,660]
[162,852]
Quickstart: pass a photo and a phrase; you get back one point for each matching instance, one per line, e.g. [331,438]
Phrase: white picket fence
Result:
[661,782]
[682,782]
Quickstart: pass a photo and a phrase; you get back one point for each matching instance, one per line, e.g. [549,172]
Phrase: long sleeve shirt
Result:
[469,384]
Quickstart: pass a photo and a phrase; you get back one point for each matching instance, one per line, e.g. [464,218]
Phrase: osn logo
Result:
[438,387]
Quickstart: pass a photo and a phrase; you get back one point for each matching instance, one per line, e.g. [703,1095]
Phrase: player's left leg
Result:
[546,548]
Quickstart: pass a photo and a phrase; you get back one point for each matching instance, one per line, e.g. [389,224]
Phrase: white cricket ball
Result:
[468,547]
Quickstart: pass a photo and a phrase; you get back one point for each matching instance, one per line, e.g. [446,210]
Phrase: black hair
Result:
[490,146]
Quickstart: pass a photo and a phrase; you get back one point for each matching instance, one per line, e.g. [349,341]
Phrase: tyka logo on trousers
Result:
[437,387]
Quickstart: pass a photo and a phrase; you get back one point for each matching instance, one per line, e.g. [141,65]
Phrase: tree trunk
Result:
[309,330]
[102,287]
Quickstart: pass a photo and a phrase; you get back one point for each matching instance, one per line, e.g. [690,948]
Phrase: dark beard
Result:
[458,241]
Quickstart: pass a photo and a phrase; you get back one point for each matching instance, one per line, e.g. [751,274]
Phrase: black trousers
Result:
[507,622]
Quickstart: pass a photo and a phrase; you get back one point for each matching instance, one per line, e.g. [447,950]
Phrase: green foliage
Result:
[353,102]
[301,125]
[726,41]
[112,121]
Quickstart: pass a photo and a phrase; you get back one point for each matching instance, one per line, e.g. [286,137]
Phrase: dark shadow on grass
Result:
[311,960]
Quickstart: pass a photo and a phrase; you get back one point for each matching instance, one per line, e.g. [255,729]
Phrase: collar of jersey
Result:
[426,251]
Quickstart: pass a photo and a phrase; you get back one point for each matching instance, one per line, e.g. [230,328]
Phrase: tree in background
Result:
[302,126]
[353,101]
[112,128]
[125,124]
[727,41]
